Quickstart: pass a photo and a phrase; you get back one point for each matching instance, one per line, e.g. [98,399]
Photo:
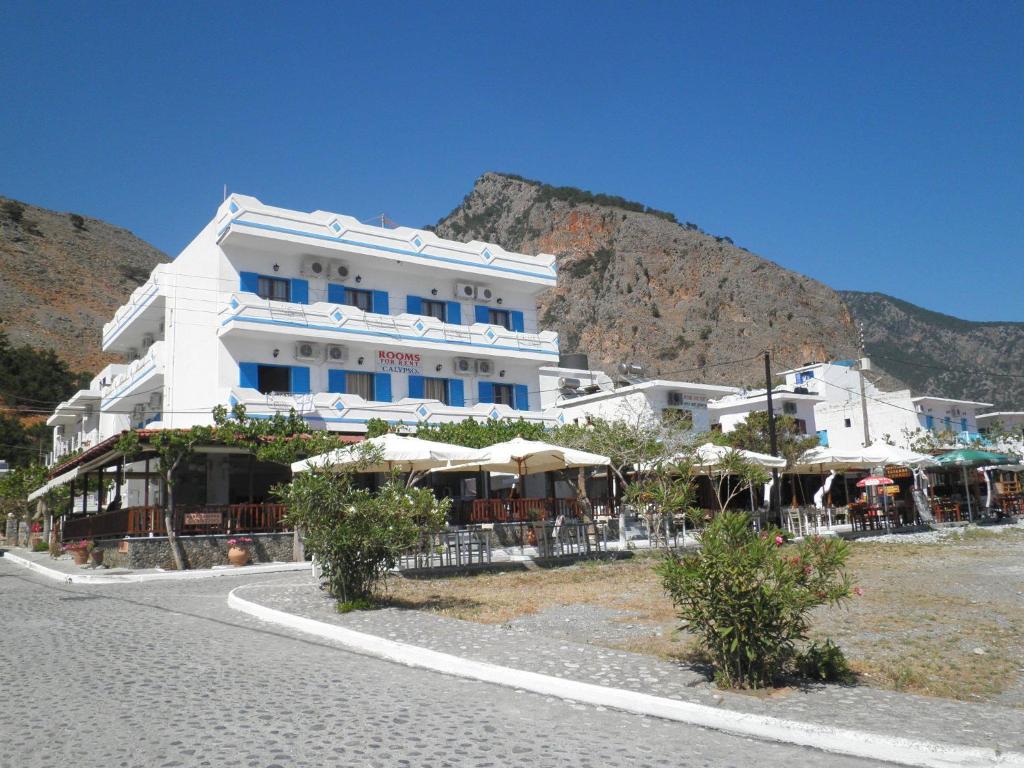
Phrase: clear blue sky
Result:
[874,146]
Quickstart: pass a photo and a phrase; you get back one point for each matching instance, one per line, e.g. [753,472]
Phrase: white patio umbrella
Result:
[526,457]
[394,453]
[710,455]
[824,457]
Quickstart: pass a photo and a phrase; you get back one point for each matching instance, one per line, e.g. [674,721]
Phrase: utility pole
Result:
[864,364]
[773,439]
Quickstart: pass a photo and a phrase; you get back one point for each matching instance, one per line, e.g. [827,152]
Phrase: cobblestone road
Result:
[165,674]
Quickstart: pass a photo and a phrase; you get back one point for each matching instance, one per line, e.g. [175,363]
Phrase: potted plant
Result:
[238,550]
[79,550]
[96,555]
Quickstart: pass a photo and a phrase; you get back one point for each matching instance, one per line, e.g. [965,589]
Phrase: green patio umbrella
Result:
[968,457]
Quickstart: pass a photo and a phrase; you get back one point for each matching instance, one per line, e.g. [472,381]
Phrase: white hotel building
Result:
[342,321]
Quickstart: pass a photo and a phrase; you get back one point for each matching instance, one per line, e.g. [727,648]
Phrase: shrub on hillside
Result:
[748,598]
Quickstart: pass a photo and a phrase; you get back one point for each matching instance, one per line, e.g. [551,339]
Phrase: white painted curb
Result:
[135,578]
[887,749]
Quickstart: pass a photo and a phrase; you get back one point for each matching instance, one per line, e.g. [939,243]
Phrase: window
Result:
[499,317]
[436,309]
[273,378]
[435,389]
[803,376]
[359,384]
[359,299]
[801,426]
[789,408]
[274,288]
[847,422]
[504,395]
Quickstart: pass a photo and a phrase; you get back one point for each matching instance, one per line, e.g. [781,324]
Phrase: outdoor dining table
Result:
[872,517]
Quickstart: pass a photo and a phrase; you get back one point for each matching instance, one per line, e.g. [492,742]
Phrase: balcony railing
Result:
[196,520]
[521,510]
[344,323]
[122,385]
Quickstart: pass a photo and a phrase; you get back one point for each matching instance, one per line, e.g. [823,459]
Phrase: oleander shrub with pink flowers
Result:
[747,598]
[244,542]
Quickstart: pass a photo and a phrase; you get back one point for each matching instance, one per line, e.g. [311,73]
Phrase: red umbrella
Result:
[873,480]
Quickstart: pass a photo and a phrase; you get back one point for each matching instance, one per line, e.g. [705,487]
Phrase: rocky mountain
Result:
[62,275]
[636,285]
[941,355]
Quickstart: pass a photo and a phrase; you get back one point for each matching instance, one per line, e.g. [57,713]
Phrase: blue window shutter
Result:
[380,303]
[300,379]
[335,293]
[456,393]
[249,375]
[300,291]
[336,382]
[416,386]
[382,387]
[250,282]
[522,397]
[929,422]
[517,321]
[482,313]
[823,437]
[486,390]
[414,305]
[454,313]
[963,425]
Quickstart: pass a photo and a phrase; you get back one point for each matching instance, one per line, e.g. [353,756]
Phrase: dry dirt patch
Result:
[943,619]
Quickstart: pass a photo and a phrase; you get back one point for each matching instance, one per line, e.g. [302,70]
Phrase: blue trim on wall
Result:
[454,313]
[382,387]
[456,393]
[401,251]
[395,336]
[300,291]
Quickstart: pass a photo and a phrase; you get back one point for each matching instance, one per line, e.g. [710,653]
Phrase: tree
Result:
[732,475]
[173,447]
[751,434]
[472,433]
[355,535]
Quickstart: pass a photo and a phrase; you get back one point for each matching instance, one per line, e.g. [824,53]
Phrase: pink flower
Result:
[779,541]
[858,591]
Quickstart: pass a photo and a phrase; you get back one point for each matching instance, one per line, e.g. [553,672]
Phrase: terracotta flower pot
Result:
[80,556]
[238,556]
[97,556]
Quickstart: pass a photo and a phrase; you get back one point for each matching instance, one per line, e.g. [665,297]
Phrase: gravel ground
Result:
[164,675]
[536,647]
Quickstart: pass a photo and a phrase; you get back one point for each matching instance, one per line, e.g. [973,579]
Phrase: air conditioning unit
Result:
[156,401]
[675,398]
[339,270]
[315,266]
[132,354]
[336,353]
[307,350]
[485,293]
[485,367]
[465,291]
[464,366]
[147,340]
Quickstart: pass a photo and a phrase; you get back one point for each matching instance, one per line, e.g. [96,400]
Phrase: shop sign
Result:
[410,363]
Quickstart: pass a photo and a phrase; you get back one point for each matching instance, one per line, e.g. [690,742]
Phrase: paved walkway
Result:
[163,674]
[65,566]
[539,646]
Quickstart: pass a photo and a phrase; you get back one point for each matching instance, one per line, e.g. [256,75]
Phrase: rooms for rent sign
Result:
[400,362]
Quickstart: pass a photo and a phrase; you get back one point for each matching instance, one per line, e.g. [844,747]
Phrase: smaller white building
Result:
[1005,429]
[798,402]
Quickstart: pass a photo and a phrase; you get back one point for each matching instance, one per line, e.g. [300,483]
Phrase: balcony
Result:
[144,312]
[349,413]
[249,315]
[245,222]
[136,382]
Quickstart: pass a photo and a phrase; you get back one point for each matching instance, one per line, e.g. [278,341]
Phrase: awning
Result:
[59,480]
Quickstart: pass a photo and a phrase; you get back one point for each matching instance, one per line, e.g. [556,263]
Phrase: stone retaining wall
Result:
[200,551]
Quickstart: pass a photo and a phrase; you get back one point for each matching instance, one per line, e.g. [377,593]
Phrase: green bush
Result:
[41,546]
[357,535]
[747,598]
[824,662]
